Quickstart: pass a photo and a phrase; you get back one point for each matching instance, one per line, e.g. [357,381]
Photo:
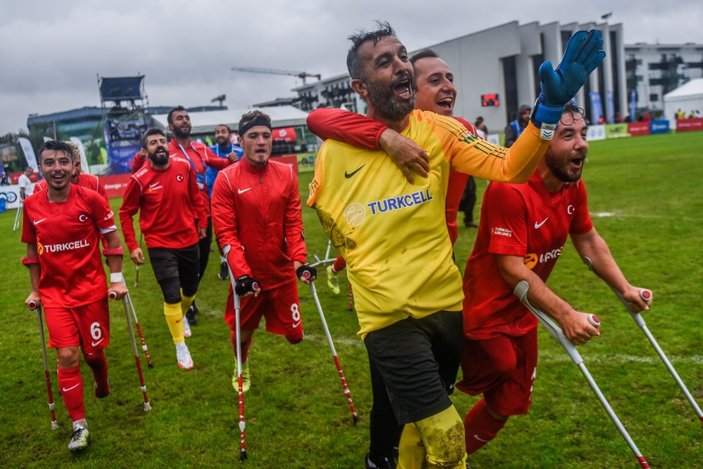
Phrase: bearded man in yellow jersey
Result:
[392,233]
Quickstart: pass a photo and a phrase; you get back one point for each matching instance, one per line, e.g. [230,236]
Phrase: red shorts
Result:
[503,369]
[87,326]
[280,307]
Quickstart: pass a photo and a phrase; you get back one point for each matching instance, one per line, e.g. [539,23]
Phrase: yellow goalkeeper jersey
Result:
[393,234]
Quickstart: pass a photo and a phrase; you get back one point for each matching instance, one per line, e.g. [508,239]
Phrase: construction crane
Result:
[270,71]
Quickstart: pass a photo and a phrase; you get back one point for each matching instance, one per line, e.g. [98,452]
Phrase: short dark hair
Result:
[175,109]
[151,131]
[56,146]
[384,29]
[224,125]
[252,119]
[423,54]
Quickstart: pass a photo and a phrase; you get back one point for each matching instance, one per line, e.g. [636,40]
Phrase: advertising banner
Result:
[659,127]
[689,125]
[596,132]
[638,128]
[616,131]
[596,106]
[28,153]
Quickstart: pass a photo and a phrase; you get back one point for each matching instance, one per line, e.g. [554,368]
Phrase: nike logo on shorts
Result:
[539,225]
[348,174]
[93,344]
[242,191]
[71,388]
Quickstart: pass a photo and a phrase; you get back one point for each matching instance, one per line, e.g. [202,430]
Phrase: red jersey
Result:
[257,212]
[84,180]
[517,220]
[67,237]
[197,154]
[169,203]
[362,132]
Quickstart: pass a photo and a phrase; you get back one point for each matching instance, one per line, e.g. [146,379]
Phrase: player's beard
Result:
[159,157]
[384,100]
[182,133]
[561,169]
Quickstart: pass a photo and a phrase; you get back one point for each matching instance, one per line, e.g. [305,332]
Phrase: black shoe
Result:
[379,463]
[190,314]
[223,274]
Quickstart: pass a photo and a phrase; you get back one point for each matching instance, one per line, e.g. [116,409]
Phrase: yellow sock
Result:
[186,301]
[174,319]
[443,438]
[411,452]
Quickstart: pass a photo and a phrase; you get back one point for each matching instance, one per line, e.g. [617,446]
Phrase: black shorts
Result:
[419,360]
[176,264]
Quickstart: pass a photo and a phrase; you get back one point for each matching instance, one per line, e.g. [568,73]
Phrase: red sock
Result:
[98,365]
[339,264]
[71,387]
[480,427]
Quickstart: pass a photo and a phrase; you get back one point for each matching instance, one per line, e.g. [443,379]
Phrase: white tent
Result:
[687,97]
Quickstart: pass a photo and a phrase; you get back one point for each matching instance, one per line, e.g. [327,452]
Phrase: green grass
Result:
[296,414]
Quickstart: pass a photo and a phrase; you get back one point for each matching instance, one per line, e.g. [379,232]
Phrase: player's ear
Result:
[359,88]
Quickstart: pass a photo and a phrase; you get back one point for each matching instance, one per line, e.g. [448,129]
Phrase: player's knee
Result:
[443,437]
[295,338]
[504,368]
[171,290]
[67,357]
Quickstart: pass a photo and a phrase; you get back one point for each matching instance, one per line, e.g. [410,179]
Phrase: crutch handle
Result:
[32,305]
[594,320]
[646,295]
[306,275]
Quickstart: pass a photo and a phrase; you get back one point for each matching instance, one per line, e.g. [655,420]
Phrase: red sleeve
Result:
[199,200]
[506,220]
[130,205]
[137,162]
[345,126]
[293,224]
[214,161]
[224,222]
[29,234]
[102,214]
[470,127]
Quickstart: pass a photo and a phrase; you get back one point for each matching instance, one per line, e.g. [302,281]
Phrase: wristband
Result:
[545,118]
[113,251]
[30,260]
[116,277]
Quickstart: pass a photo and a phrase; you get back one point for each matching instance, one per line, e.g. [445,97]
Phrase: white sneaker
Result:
[186,327]
[185,361]
[79,439]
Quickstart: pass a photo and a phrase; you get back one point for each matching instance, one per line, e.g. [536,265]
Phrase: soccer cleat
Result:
[102,392]
[332,280]
[79,439]
[223,274]
[190,316]
[185,361]
[186,327]
[379,463]
[246,378]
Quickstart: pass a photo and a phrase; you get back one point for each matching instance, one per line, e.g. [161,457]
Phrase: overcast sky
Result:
[51,51]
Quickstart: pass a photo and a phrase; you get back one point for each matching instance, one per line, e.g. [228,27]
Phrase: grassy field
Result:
[647,202]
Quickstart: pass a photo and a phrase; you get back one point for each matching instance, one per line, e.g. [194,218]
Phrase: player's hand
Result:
[202,232]
[137,256]
[32,300]
[410,157]
[639,299]
[247,285]
[583,54]
[117,290]
[232,157]
[577,327]
[305,272]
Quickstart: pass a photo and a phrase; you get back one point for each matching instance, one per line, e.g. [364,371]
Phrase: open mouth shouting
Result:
[403,88]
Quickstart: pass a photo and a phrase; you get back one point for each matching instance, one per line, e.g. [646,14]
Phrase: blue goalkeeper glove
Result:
[583,54]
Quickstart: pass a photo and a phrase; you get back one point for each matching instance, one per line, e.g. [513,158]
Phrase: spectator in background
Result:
[5,178]
[223,148]
[515,128]
[481,128]
[26,184]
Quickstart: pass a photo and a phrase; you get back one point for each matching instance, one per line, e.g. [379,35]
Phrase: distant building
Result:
[654,70]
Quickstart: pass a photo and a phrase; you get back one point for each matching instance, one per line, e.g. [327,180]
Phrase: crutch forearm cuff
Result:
[113,251]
